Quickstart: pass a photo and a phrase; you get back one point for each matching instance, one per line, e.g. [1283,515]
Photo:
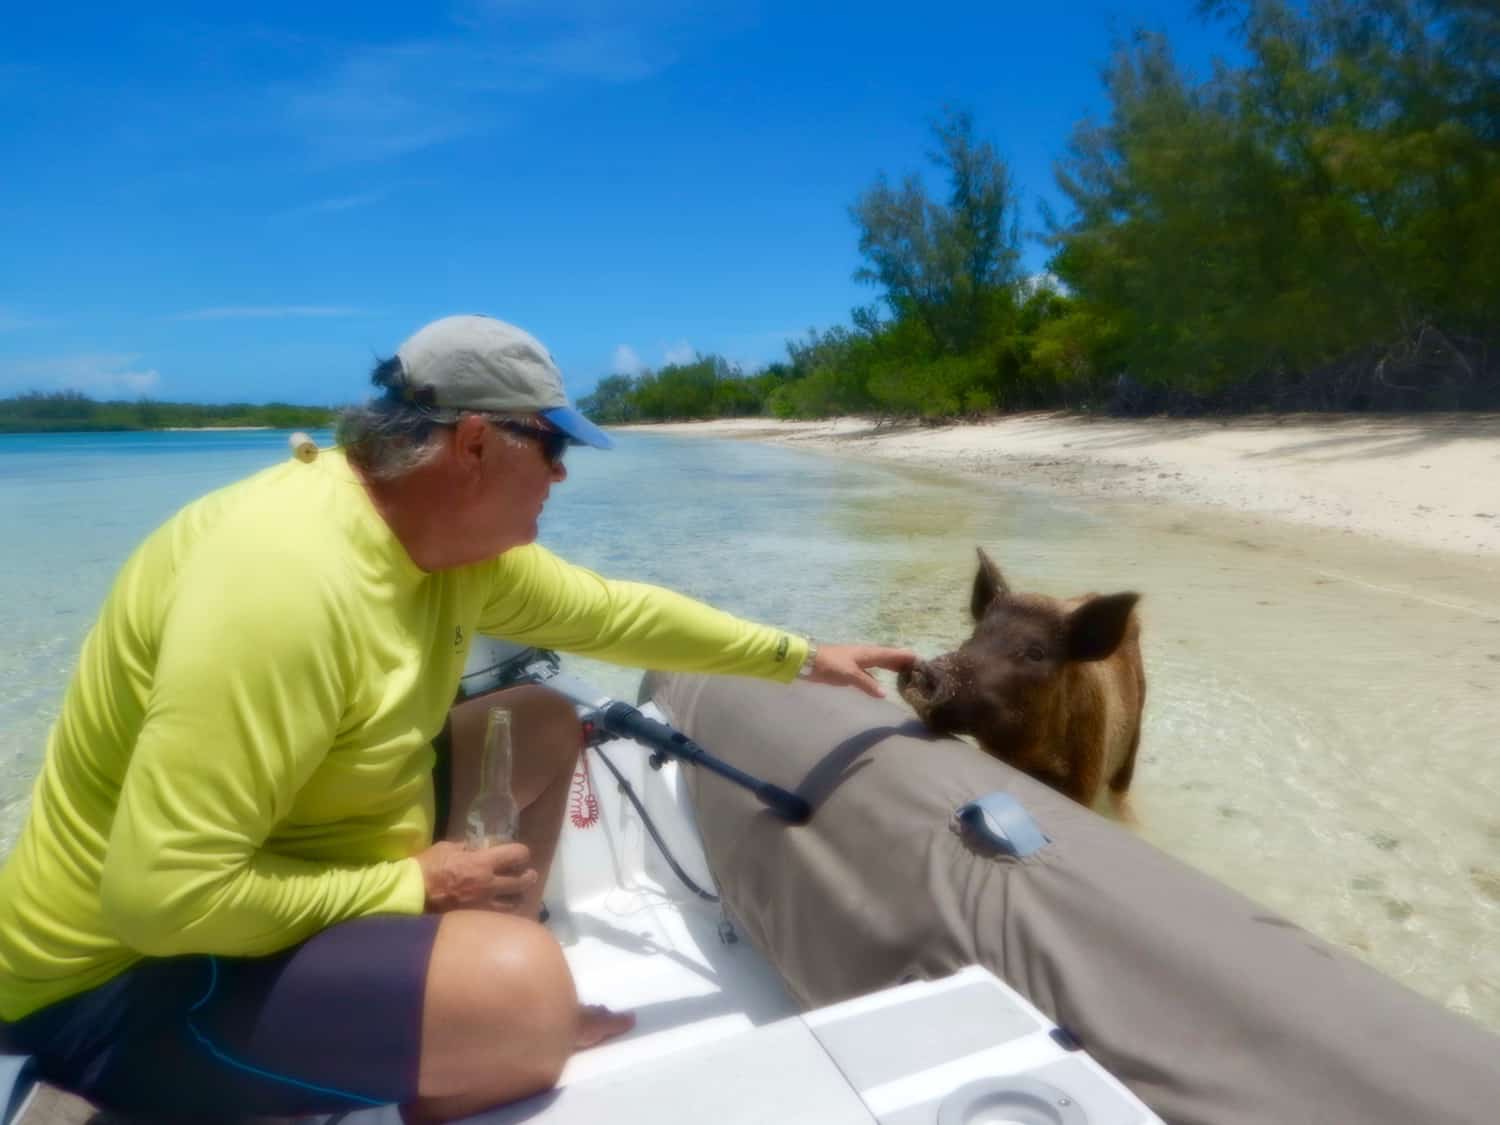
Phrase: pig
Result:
[1051,686]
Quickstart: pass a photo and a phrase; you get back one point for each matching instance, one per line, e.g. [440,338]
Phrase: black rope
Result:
[655,836]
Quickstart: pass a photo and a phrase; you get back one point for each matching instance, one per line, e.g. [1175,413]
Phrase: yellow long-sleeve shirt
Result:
[244,752]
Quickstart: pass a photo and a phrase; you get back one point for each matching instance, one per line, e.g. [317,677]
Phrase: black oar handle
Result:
[622,719]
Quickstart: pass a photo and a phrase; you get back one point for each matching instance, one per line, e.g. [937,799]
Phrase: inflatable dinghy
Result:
[824,915]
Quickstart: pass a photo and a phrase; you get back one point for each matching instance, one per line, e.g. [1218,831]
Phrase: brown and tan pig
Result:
[1051,686]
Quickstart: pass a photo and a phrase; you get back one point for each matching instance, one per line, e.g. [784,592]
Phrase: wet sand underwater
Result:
[1321,728]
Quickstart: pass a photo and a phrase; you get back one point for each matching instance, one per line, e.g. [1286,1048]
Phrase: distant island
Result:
[72,412]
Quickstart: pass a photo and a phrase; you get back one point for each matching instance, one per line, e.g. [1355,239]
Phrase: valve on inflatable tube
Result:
[1003,823]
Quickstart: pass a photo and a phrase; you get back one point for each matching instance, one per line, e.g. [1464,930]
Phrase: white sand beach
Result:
[1423,480]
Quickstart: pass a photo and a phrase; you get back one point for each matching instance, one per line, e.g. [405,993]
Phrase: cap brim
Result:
[577,427]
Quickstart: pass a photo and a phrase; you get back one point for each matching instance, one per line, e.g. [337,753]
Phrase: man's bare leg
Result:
[547,739]
[500,1016]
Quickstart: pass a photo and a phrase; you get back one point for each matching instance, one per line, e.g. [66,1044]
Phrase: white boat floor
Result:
[637,948]
[661,955]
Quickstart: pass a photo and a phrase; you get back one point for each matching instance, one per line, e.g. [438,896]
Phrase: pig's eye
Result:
[1036,652]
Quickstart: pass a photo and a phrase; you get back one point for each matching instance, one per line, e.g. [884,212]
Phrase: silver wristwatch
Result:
[807,661]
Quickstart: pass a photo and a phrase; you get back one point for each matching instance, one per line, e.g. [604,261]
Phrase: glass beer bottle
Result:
[493,817]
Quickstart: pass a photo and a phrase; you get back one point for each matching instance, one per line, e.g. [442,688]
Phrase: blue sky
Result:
[254,205]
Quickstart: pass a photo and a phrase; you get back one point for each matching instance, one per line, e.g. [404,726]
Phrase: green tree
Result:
[942,262]
[1328,213]
[64,411]
[612,400]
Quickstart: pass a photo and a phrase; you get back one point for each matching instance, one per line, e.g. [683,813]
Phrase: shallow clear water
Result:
[1322,731]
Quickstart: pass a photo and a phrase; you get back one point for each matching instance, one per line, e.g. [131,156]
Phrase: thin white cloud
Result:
[12,320]
[100,374]
[18,72]
[386,101]
[655,13]
[753,351]
[381,101]
[1046,279]
[604,55]
[336,204]
[267,312]
[625,361]
[680,352]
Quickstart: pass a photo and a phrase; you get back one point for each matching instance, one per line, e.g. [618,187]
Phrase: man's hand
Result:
[845,665]
[486,879]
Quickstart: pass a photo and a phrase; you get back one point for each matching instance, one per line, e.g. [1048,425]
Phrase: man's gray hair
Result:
[391,436]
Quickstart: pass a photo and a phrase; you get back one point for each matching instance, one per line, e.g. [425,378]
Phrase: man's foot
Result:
[596,1023]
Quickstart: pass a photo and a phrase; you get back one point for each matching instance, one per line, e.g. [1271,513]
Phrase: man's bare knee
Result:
[546,732]
[551,717]
[501,1014]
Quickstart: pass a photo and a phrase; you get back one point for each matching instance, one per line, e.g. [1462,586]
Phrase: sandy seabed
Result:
[1428,480]
[1323,659]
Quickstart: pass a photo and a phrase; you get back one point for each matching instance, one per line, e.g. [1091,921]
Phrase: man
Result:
[234,892]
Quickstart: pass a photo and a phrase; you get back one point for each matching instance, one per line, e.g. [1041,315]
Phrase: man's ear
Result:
[469,440]
[989,584]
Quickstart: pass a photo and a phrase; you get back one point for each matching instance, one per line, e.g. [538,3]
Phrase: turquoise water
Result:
[754,530]
[1321,726]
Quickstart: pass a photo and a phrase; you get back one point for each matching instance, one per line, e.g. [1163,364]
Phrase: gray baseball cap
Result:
[483,364]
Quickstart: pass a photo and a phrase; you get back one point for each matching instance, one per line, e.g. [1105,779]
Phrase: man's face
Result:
[518,473]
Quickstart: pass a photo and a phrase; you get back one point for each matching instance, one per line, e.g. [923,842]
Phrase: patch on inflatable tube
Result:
[1002,822]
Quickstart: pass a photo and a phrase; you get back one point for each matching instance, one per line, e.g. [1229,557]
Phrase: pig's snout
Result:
[922,682]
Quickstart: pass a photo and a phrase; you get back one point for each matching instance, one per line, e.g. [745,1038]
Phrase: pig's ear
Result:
[1096,628]
[989,584]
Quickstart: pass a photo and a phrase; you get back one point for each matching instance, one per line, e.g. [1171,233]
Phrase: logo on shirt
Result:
[458,636]
[781,646]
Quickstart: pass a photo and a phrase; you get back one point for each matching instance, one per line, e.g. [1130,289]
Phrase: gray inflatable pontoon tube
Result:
[1213,1010]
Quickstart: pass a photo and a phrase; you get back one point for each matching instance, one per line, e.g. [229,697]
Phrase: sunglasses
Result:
[554,443]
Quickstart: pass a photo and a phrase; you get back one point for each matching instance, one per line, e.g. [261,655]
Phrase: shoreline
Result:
[141,430]
[1421,480]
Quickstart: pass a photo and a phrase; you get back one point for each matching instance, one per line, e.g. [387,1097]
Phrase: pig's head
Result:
[1007,683]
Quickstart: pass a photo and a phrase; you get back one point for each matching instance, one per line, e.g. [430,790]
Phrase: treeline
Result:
[71,411]
[1317,228]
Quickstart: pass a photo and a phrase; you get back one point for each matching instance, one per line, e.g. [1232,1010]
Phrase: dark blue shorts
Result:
[331,1025]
